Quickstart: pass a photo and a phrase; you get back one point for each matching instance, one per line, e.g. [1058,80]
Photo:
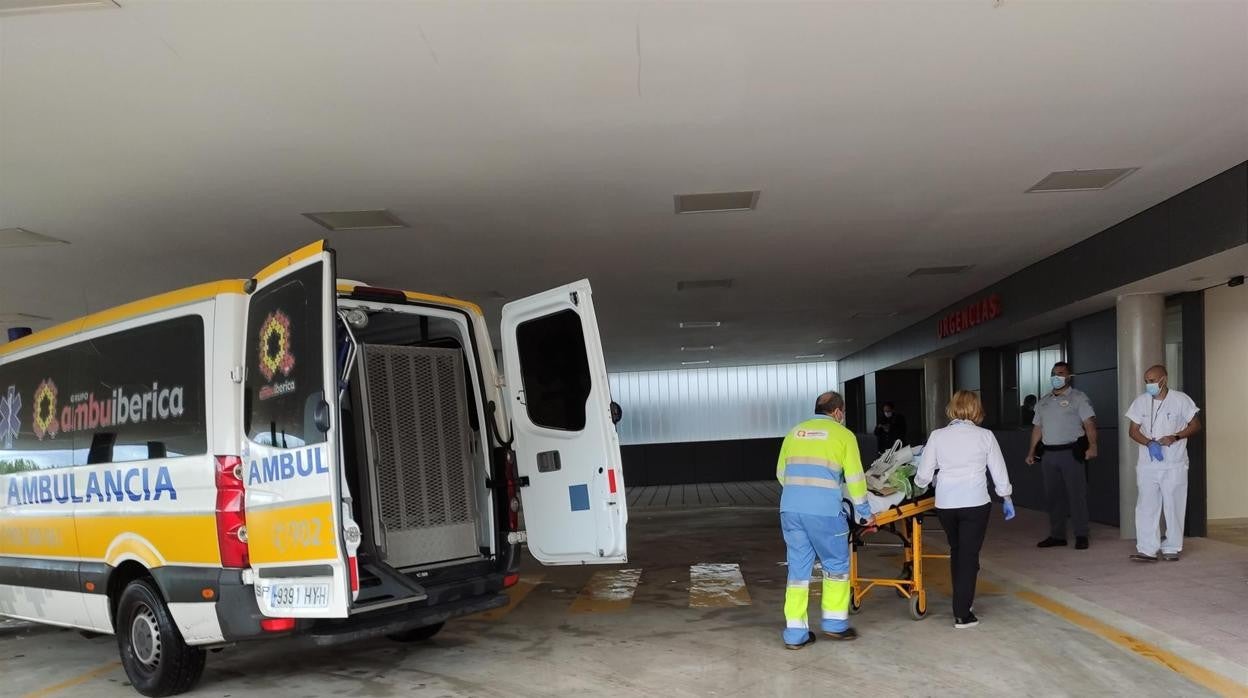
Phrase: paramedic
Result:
[890,428]
[819,457]
[964,452]
[1063,417]
[1162,420]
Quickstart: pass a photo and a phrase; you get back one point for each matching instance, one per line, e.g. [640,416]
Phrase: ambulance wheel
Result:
[918,607]
[157,660]
[417,634]
[855,605]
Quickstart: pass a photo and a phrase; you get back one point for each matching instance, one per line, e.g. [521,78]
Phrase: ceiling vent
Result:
[809,356]
[700,324]
[1081,180]
[703,284]
[834,340]
[14,7]
[695,363]
[718,202]
[940,271]
[874,315]
[705,347]
[21,237]
[356,220]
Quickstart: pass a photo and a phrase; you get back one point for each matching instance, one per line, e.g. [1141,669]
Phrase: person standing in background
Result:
[890,428]
[1162,420]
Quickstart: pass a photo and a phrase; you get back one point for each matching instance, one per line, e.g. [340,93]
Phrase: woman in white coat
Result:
[964,452]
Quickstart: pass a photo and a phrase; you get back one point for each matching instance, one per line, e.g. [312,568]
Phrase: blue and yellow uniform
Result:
[818,460]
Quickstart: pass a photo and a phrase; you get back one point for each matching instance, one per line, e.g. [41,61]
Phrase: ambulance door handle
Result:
[520,397]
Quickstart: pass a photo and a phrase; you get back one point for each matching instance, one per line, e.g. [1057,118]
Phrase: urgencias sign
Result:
[975,314]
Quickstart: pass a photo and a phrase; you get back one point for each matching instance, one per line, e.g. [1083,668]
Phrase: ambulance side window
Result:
[30,414]
[285,372]
[554,370]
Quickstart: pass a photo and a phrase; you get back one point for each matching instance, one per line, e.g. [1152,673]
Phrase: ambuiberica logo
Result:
[86,412]
[277,359]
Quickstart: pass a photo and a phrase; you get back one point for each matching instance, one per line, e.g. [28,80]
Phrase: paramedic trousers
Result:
[1162,490]
[1066,492]
[806,537]
[964,528]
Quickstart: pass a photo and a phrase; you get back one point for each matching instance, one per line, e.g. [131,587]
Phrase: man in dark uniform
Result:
[890,428]
[1062,418]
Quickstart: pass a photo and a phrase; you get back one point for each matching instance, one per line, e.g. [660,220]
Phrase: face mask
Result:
[888,414]
[1153,389]
[839,420]
[1058,382]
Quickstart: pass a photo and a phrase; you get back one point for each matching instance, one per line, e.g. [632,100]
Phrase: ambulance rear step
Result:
[381,586]
[398,620]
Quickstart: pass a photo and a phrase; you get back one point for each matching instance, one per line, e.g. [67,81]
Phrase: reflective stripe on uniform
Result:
[796,624]
[811,482]
[799,585]
[834,577]
[811,460]
[855,478]
[835,615]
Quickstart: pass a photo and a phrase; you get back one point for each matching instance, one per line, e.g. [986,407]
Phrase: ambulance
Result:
[295,456]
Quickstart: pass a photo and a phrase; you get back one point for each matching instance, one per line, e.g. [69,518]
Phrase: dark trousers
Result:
[1066,492]
[965,529]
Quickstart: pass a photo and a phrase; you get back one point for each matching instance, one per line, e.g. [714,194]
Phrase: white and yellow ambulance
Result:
[293,455]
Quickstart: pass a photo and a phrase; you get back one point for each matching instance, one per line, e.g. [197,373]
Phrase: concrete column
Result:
[937,389]
[1141,344]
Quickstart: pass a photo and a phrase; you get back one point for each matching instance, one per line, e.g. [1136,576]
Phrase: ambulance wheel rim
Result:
[145,637]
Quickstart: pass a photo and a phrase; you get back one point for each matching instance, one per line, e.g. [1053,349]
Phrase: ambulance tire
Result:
[157,660]
[417,634]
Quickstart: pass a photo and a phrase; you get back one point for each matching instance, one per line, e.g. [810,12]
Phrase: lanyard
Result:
[1152,422]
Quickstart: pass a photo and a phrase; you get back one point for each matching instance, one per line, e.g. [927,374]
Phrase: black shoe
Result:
[1051,542]
[1081,543]
[845,635]
[810,640]
[969,621]
[1141,557]
[1170,557]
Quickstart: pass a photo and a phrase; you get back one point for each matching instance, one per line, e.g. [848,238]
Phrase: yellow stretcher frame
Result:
[910,585]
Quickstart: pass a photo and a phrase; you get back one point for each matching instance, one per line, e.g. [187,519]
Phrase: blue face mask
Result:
[1058,382]
[1153,389]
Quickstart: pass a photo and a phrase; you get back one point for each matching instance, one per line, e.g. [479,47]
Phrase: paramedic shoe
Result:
[1141,557]
[845,635]
[969,621]
[1051,542]
[810,640]
[1081,543]
[1170,557]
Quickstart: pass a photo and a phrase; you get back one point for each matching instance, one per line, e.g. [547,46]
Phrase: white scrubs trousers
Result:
[1161,490]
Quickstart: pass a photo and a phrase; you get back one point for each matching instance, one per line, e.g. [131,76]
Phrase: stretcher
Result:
[906,522]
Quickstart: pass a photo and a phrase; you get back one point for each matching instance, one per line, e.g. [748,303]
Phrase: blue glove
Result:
[1008,506]
[1155,451]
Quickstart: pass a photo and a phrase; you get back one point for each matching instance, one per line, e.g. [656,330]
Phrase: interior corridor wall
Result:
[1226,395]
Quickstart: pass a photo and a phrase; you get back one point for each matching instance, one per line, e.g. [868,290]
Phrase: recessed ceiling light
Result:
[940,271]
[717,202]
[707,347]
[12,7]
[21,237]
[699,324]
[694,363]
[809,356]
[703,284]
[356,220]
[21,318]
[874,315]
[1081,180]
[1197,278]
[834,340]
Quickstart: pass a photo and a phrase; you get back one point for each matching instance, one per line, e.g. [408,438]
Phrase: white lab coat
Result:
[1162,485]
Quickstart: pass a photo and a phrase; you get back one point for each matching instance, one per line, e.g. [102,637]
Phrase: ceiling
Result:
[529,144]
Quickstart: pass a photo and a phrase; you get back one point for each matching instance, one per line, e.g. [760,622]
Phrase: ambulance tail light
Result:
[513,492]
[277,625]
[353,569]
[231,513]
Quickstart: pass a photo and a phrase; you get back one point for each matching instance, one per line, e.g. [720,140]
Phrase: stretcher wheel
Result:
[918,607]
[855,605]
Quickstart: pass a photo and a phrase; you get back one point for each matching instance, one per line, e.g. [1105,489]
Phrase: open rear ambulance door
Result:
[291,467]
[567,451]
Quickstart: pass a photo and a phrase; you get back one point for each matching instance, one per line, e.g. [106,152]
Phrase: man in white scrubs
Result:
[1162,420]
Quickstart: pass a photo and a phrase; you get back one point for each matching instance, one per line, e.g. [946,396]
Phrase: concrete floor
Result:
[604,631]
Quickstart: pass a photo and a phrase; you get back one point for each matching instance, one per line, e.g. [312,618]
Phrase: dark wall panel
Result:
[711,461]
[1094,342]
[966,371]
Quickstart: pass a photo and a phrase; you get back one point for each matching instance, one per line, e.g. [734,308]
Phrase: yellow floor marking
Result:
[717,585]
[76,681]
[608,591]
[1197,674]
[515,595]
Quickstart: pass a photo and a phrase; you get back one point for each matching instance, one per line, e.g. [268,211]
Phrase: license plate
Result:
[296,595]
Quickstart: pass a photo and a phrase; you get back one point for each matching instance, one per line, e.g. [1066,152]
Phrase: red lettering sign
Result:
[973,315]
